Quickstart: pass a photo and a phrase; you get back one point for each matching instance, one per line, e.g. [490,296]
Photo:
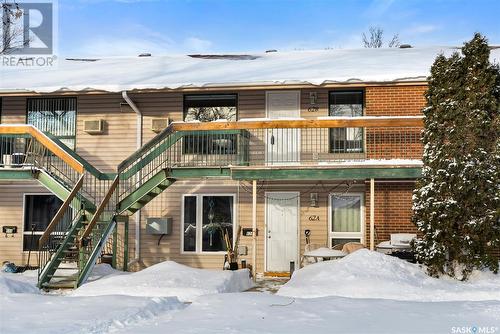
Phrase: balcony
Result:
[252,148]
[279,143]
[253,144]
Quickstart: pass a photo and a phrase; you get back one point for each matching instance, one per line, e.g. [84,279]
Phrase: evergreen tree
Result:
[456,203]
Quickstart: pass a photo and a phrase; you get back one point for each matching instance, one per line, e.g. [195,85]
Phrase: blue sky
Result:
[129,27]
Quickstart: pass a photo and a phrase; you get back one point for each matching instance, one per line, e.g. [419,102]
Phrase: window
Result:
[208,108]
[207,220]
[56,116]
[346,217]
[346,104]
[38,212]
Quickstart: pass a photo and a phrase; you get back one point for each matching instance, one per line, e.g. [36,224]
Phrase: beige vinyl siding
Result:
[319,228]
[157,105]
[118,140]
[169,204]
[12,214]
[13,110]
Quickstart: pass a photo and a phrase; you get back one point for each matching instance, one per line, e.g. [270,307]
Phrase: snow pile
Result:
[367,274]
[60,314]
[14,283]
[169,279]
[103,270]
[262,313]
[158,72]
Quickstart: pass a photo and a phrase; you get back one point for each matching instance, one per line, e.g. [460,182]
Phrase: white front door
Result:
[282,216]
[283,145]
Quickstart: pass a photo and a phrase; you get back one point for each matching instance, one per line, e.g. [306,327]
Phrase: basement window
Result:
[209,108]
[346,104]
[207,219]
[39,209]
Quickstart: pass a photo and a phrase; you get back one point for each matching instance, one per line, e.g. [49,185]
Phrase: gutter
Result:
[138,146]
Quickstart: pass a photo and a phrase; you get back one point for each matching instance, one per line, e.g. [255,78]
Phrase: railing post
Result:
[115,245]
[372,214]
[254,229]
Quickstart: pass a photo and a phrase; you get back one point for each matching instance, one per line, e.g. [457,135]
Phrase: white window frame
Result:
[346,235]
[199,222]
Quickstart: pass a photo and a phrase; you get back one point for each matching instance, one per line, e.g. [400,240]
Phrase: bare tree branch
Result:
[12,34]
[394,42]
[376,40]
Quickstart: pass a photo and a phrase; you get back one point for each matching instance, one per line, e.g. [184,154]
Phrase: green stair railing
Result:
[93,238]
[177,148]
[83,186]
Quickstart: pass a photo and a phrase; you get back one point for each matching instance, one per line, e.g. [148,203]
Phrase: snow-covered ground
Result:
[169,279]
[253,313]
[365,292]
[366,274]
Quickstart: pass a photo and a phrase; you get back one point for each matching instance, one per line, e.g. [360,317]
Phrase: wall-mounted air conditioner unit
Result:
[158,124]
[93,126]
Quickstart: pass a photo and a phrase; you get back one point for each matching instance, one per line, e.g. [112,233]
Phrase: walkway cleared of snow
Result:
[367,274]
[169,279]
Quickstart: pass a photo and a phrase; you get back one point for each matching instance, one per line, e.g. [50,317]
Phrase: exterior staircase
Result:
[92,200]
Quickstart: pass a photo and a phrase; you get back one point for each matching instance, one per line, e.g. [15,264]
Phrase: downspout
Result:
[138,146]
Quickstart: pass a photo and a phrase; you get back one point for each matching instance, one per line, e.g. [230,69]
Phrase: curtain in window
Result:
[346,214]
[56,116]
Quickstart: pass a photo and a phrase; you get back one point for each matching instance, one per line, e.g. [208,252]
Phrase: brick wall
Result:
[395,100]
[393,210]
[387,143]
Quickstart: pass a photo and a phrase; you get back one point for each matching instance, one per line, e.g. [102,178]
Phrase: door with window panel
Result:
[283,145]
[346,218]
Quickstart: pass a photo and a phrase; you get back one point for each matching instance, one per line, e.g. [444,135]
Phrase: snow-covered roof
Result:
[284,68]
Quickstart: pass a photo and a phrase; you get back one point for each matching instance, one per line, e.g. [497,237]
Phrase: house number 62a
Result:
[313,218]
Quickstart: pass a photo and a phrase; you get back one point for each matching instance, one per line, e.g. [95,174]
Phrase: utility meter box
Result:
[159,226]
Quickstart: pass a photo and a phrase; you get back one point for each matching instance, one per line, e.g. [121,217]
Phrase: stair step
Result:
[146,198]
[71,278]
[71,251]
[59,285]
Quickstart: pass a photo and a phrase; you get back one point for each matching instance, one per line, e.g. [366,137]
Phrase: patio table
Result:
[325,254]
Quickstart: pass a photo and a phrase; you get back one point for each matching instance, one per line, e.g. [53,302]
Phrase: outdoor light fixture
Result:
[314,200]
[313,98]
